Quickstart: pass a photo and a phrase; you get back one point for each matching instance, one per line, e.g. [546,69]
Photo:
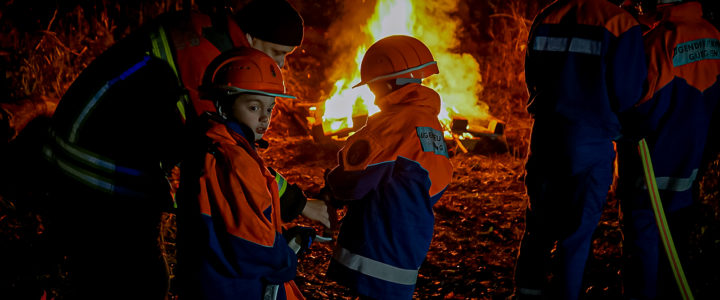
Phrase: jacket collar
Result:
[245,132]
[224,131]
[240,129]
[690,10]
[412,94]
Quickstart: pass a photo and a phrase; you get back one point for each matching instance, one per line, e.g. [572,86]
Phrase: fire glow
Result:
[458,82]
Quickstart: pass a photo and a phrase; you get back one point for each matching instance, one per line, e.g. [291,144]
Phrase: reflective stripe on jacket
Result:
[125,112]
[113,138]
[392,172]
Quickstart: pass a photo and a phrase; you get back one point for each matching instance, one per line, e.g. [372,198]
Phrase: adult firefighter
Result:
[584,65]
[230,242]
[674,116]
[120,128]
[390,174]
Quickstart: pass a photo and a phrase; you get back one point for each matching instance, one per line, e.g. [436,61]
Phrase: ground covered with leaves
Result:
[478,227]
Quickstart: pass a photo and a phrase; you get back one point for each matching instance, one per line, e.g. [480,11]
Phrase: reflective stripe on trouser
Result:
[271,292]
[673,184]
[375,268]
[371,278]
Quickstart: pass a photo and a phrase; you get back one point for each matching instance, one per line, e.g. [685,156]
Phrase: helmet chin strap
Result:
[386,87]
[404,81]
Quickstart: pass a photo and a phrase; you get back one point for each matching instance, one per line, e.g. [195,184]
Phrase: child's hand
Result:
[316,210]
[299,239]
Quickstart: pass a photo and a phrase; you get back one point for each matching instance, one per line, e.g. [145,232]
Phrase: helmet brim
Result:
[396,74]
[234,91]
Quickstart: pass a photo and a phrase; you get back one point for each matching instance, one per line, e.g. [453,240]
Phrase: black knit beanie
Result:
[275,21]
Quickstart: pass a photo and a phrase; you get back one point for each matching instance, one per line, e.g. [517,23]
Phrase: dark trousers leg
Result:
[563,210]
[647,273]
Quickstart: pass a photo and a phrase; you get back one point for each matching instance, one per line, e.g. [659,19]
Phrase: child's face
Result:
[254,111]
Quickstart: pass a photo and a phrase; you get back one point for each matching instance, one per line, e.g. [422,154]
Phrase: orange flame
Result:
[458,83]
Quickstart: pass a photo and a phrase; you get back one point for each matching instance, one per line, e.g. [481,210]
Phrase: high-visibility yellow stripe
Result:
[161,49]
[665,235]
[156,45]
[281,182]
[181,108]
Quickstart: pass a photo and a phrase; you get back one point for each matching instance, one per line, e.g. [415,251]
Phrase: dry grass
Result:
[46,55]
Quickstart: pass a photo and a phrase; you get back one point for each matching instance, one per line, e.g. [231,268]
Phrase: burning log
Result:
[484,127]
[483,137]
[323,131]
[338,136]
[296,113]
[478,137]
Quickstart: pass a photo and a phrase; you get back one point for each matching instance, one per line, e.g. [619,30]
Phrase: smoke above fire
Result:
[432,22]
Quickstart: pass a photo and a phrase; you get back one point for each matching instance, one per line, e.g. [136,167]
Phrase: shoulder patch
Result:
[358,152]
[432,140]
[696,50]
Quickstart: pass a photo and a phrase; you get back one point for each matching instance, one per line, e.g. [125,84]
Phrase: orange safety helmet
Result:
[240,71]
[640,7]
[397,56]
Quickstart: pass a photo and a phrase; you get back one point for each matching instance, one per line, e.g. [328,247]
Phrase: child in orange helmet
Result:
[390,174]
[230,242]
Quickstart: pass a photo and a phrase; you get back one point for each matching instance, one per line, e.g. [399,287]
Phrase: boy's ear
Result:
[223,104]
[219,108]
[249,39]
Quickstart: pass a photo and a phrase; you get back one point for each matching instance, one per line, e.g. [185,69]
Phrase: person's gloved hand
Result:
[299,239]
[317,210]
